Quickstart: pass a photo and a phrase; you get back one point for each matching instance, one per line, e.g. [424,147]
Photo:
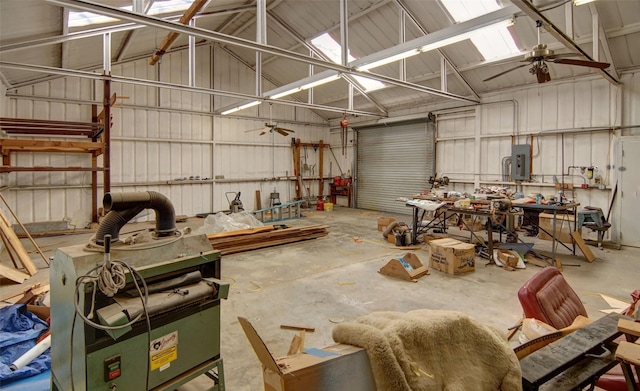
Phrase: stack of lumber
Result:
[16,252]
[246,240]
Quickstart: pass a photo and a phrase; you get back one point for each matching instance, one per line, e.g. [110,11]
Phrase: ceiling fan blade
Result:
[282,132]
[507,71]
[264,129]
[582,63]
[263,132]
[560,55]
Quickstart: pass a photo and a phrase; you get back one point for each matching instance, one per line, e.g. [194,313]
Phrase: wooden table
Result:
[566,364]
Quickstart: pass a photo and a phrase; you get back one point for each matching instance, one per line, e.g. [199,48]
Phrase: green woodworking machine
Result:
[138,314]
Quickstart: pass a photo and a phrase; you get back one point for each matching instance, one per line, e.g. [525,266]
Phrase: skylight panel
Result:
[83,18]
[159,7]
[166,6]
[332,49]
[492,44]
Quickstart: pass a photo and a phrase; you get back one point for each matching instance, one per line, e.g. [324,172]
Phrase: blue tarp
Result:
[19,330]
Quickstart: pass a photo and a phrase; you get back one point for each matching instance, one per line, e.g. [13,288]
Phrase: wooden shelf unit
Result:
[31,127]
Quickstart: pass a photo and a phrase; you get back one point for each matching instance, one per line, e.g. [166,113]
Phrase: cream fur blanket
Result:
[426,350]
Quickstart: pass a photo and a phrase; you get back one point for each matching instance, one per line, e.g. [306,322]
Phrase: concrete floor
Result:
[336,277]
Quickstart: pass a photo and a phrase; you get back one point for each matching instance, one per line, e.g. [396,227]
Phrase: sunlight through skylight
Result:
[79,19]
[332,49]
[492,44]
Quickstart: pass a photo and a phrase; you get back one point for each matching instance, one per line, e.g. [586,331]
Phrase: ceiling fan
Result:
[270,127]
[537,58]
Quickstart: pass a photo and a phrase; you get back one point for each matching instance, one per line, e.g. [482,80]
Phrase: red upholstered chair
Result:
[548,297]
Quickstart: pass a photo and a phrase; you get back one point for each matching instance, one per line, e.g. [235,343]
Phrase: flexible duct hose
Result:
[123,207]
[389,229]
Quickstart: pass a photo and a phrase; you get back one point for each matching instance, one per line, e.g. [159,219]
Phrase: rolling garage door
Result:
[393,161]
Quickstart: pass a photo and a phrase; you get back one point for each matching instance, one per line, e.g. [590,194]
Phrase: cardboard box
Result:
[336,367]
[564,222]
[409,267]
[476,224]
[452,256]
[383,222]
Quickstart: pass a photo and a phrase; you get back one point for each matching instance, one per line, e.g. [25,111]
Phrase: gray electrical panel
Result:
[521,162]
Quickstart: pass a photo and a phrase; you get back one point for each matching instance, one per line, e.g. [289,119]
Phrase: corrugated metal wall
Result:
[566,123]
[159,138]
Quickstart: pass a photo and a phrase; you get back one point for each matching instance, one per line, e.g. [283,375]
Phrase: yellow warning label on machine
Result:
[163,350]
[163,358]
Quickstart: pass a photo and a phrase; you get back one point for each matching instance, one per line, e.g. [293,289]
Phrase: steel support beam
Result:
[314,51]
[106,53]
[344,33]
[65,31]
[261,37]
[214,36]
[402,29]
[30,44]
[531,11]
[192,56]
[4,81]
[602,35]
[424,31]
[139,6]
[172,86]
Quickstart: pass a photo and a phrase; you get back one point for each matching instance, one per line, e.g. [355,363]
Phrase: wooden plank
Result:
[13,274]
[9,292]
[295,345]
[586,251]
[24,229]
[240,232]
[551,360]
[629,327]
[9,145]
[45,169]
[235,244]
[310,329]
[6,246]
[628,352]
[195,7]
[16,245]
[258,200]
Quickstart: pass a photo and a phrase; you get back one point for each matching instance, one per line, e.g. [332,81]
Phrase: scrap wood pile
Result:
[16,251]
[254,238]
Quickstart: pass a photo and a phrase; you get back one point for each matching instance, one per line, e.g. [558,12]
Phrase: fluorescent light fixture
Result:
[462,37]
[581,2]
[388,60]
[242,107]
[285,93]
[320,82]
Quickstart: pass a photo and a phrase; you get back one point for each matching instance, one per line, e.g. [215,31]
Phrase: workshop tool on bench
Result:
[235,205]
